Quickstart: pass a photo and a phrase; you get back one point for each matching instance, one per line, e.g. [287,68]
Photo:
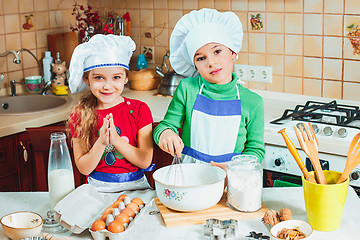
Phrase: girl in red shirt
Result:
[111,135]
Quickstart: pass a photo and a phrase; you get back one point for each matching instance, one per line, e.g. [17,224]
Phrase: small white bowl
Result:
[19,225]
[290,224]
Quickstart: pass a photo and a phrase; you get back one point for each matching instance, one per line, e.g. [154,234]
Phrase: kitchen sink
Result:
[30,104]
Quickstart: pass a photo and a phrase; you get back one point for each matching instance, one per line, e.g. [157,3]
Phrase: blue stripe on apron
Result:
[120,177]
[218,107]
[207,158]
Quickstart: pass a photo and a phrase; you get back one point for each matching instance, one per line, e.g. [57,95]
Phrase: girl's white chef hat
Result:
[100,51]
[198,28]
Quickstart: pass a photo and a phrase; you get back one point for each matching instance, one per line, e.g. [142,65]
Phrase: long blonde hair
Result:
[85,119]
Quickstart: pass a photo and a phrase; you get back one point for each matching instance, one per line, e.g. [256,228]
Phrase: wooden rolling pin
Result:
[296,156]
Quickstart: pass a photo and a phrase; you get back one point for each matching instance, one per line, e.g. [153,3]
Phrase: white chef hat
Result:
[198,28]
[100,51]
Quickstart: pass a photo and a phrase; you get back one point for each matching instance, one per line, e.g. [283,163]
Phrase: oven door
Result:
[278,179]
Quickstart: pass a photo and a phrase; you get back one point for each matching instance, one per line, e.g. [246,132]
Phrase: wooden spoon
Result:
[48,236]
[353,158]
[296,156]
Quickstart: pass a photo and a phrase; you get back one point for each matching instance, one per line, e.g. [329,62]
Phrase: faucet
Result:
[16,54]
[44,86]
[1,78]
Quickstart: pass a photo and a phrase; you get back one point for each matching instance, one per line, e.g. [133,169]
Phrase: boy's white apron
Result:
[214,129]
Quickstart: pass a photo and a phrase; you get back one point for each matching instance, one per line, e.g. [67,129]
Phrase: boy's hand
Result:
[104,132]
[220,165]
[171,143]
[114,136]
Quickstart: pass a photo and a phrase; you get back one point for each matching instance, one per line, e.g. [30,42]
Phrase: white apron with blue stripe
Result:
[110,182]
[214,130]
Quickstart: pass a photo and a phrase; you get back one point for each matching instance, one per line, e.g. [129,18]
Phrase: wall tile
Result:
[161,19]
[352,7]
[41,5]
[332,89]
[206,4]
[30,72]
[274,5]
[257,85]
[349,20]
[257,59]
[313,46]
[135,17]
[351,71]
[293,23]
[351,91]
[333,25]
[293,85]
[1,7]
[258,5]
[2,25]
[222,5]
[146,4]
[42,20]
[160,4]
[56,4]
[332,69]
[312,67]
[161,37]
[243,19]
[333,47]
[174,16]
[257,42]
[13,41]
[274,22]
[41,38]
[293,5]
[262,15]
[190,4]
[146,18]
[132,3]
[277,84]
[276,62]
[3,44]
[26,6]
[55,19]
[275,43]
[178,4]
[293,66]
[16,75]
[294,44]
[28,60]
[11,7]
[312,87]
[313,24]
[12,23]
[28,40]
[145,41]
[314,6]
[68,19]
[239,5]
[245,43]
[334,6]
[242,59]
[349,51]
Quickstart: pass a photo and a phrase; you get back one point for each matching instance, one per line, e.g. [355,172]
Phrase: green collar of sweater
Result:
[217,88]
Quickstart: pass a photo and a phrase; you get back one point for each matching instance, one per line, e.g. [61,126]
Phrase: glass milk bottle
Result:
[60,172]
[245,182]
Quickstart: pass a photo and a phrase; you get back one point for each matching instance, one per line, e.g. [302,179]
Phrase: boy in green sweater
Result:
[219,117]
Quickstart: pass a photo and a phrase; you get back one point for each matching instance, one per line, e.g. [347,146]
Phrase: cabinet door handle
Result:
[25,153]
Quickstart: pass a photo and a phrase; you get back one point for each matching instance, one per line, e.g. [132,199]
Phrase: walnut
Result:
[291,234]
[285,214]
[271,217]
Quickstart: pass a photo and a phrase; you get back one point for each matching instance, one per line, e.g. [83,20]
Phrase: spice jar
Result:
[244,183]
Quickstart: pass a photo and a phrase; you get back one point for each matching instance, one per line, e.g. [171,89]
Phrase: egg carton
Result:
[79,209]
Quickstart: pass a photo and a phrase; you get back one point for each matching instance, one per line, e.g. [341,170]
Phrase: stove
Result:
[334,124]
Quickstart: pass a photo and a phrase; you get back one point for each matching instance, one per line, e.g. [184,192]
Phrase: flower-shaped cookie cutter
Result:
[217,229]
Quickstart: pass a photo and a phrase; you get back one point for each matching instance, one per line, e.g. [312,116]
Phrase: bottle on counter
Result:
[60,171]
[47,61]
[245,183]
[141,62]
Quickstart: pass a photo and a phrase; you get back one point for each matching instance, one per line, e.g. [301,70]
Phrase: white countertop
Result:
[152,227]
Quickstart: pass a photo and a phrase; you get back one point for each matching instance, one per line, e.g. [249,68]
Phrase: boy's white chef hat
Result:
[198,28]
[100,51]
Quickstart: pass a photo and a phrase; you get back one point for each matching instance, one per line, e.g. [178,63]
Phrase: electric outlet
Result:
[252,73]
